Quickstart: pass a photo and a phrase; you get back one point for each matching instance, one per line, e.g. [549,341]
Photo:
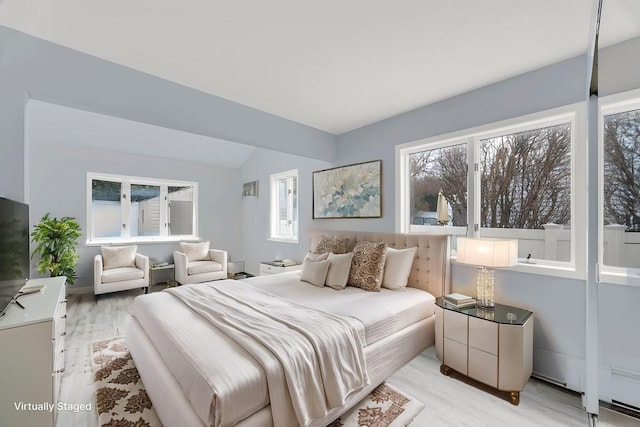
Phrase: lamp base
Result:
[484,288]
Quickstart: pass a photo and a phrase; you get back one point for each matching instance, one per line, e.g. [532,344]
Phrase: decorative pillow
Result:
[314,272]
[337,245]
[367,267]
[317,257]
[118,256]
[339,267]
[195,251]
[397,268]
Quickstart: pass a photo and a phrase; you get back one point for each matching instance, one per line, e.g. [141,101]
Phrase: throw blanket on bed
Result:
[320,354]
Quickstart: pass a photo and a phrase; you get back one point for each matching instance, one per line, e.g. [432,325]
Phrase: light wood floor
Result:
[448,401]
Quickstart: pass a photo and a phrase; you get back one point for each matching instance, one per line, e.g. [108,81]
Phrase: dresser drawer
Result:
[483,335]
[455,326]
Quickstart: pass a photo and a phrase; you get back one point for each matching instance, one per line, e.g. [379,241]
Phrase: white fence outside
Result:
[621,249]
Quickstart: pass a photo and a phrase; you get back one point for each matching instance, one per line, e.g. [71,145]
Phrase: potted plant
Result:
[57,240]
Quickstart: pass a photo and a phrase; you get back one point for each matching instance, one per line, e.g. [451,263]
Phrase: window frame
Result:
[275,207]
[125,209]
[608,105]
[574,114]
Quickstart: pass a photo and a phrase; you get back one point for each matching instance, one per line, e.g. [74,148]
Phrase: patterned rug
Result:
[122,401]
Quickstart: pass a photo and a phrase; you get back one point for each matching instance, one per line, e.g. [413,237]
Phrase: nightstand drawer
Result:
[483,367]
[455,355]
[270,269]
[483,335]
[455,326]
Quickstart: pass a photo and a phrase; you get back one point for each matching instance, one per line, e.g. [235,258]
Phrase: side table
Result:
[269,267]
[153,268]
[490,345]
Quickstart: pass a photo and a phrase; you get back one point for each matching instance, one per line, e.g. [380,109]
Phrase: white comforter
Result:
[313,360]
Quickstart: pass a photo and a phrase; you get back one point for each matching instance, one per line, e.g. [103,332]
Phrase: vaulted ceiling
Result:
[334,65]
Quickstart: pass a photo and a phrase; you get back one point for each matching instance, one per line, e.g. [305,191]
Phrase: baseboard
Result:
[559,369]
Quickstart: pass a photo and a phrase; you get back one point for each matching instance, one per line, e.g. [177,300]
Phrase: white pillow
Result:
[118,256]
[339,267]
[314,272]
[397,268]
[195,251]
[317,257]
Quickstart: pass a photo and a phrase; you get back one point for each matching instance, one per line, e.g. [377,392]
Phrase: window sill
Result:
[619,278]
[283,240]
[142,240]
[567,272]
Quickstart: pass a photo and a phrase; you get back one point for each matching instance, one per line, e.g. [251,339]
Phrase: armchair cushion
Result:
[195,251]
[119,256]
[198,267]
[121,274]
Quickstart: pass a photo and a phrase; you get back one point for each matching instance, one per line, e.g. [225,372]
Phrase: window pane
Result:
[106,215]
[180,214]
[294,206]
[526,191]
[145,210]
[283,211]
[432,171]
[622,189]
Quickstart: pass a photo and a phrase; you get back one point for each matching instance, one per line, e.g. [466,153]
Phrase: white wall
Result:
[619,316]
[254,215]
[58,180]
[559,345]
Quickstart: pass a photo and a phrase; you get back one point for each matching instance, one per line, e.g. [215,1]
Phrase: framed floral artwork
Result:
[352,191]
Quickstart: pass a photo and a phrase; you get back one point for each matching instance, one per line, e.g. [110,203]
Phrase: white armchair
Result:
[196,263]
[119,268]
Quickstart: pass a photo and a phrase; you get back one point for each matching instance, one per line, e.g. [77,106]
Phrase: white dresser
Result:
[267,267]
[32,361]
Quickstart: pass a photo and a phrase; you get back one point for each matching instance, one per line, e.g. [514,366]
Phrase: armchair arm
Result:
[97,270]
[221,257]
[142,262]
[180,265]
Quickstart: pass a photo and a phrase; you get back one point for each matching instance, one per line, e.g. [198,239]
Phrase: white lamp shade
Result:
[487,253]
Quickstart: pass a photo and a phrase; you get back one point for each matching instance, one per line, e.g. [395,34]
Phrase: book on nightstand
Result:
[459,300]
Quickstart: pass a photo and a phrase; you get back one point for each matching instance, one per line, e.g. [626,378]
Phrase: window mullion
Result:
[473,185]
[164,211]
[126,209]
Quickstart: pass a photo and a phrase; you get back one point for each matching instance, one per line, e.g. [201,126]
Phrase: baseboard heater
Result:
[549,379]
[627,407]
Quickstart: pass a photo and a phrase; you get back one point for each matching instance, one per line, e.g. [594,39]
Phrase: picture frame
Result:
[351,191]
[250,189]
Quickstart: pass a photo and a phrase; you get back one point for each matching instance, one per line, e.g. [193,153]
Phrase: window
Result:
[134,209]
[620,188]
[284,206]
[521,186]
[525,185]
[440,169]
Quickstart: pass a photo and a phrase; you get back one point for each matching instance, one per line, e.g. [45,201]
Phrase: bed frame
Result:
[430,272]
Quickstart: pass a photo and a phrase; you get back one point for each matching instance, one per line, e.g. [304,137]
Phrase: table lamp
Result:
[486,253]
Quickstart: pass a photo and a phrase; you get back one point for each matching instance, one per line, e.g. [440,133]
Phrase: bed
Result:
[198,374]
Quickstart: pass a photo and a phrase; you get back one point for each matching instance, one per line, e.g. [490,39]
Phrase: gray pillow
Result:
[339,267]
[314,272]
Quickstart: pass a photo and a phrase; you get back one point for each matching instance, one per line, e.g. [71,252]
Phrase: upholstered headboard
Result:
[431,269]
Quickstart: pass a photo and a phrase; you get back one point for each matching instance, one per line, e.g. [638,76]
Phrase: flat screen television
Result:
[14,249]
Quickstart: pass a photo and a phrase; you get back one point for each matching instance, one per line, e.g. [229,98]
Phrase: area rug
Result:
[122,401]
